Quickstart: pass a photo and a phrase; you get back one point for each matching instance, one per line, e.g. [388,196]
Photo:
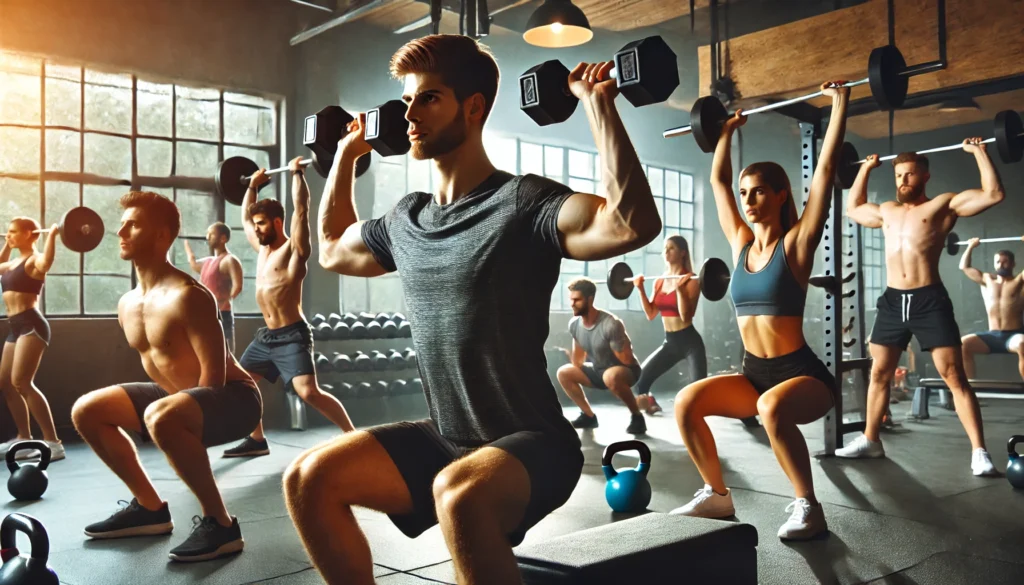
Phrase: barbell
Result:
[1007,134]
[888,76]
[80,229]
[953,242]
[713,277]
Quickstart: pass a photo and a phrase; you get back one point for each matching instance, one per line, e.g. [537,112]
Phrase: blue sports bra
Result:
[770,291]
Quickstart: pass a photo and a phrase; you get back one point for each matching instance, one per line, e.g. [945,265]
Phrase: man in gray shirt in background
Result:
[601,337]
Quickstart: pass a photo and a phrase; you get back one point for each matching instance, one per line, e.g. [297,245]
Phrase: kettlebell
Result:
[628,490]
[28,481]
[1015,466]
[20,569]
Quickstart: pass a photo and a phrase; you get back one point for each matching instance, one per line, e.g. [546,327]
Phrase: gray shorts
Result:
[596,376]
[283,353]
[230,413]
[998,341]
[30,322]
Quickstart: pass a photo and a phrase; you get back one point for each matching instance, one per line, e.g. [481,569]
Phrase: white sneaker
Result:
[805,522]
[708,504]
[861,447]
[981,464]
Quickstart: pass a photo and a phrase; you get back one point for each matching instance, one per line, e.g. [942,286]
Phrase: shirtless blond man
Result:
[1003,293]
[284,348]
[915,302]
[199,396]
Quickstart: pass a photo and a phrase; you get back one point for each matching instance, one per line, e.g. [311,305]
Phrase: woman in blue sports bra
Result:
[781,380]
[22,282]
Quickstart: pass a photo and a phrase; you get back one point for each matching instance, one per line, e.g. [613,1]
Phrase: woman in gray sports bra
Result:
[22,282]
[781,379]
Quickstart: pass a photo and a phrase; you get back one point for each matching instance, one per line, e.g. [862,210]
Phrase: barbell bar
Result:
[953,241]
[713,277]
[80,229]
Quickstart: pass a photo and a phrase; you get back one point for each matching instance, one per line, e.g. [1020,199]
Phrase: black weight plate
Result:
[81,229]
[1009,141]
[231,178]
[951,244]
[888,84]
[707,116]
[714,279]
[847,168]
[618,285]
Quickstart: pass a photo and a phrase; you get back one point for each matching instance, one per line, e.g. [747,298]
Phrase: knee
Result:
[22,384]
[614,380]
[454,494]
[565,372]
[880,376]
[768,409]
[306,391]
[162,420]
[686,406]
[300,477]
[85,413]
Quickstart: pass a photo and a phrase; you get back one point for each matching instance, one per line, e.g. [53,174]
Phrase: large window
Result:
[73,135]
[580,170]
[873,267]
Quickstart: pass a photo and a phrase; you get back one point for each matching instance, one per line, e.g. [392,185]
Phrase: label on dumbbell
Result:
[626,67]
[528,90]
[371,124]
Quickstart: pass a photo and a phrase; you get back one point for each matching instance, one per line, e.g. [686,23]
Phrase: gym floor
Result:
[917,517]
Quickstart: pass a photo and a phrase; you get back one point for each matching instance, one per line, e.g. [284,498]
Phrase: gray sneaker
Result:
[132,520]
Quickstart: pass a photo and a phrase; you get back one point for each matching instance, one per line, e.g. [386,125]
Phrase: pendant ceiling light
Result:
[557,24]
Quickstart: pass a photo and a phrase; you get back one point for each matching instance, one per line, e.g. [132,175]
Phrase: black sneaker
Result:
[249,447]
[585,422]
[637,424]
[209,540]
[133,520]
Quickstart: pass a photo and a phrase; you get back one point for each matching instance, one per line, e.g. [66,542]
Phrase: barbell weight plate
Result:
[81,229]
[1008,132]
[888,85]
[714,279]
[951,244]
[846,171]
[707,116]
[229,178]
[618,284]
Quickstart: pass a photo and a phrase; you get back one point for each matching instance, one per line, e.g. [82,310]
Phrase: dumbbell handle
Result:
[681,130]
[304,162]
[936,149]
[984,240]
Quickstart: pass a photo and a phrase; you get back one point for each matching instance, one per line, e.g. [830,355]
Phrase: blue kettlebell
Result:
[1015,466]
[627,490]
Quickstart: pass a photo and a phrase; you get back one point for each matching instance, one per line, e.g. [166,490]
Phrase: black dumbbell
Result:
[341,331]
[396,387]
[645,71]
[366,318]
[381,318]
[397,360]
[380,361]
[374,330]
[317,320]
[364,390]
[362,362]
[345,390]
[323,331]
[349,319]
[357,331]
[416,386]
[398,318]
[334,319]
[341,363]
[382,387]
[323,364]
[405,330]
[410,358]
[389,329]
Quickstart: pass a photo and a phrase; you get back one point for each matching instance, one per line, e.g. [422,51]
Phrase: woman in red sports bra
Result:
[676,301]
[22,282]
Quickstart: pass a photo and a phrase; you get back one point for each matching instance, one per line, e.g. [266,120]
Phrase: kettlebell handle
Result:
[632,445]
[1011,445]
[15,523]
[41,446]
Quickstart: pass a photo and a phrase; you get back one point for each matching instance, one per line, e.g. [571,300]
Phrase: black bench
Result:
[919,408]
[651,549]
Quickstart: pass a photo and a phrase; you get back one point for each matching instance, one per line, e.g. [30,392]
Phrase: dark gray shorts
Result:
[30,322]
[283,353]
[998,341]
[418,450]
[230,413]
[596,376]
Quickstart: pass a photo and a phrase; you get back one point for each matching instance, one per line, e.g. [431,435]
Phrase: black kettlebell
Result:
[19,569]
[1015,466]
[28,481]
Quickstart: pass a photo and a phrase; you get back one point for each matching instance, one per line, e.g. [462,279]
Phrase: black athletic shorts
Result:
[418,450]
[596,376]
[998,341]
[925,313]
[230,413]
[227,321]
[30,322]
[283,353]
[766,373]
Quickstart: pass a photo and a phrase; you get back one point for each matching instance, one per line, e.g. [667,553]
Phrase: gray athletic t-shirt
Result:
[607,334]
[477,276]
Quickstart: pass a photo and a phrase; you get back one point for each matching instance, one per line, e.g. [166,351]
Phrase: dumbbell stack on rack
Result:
[366,355]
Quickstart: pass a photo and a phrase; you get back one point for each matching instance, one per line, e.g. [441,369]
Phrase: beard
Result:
[267,237]
[1005,272]
[443,141]
[581,311]
[913,193]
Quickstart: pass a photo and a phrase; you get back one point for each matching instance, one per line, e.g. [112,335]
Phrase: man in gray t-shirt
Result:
[602,357]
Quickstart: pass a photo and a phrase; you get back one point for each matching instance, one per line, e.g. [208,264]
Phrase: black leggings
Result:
[685,344]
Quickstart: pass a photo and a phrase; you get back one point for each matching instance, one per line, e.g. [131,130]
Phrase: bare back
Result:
[915,237]
[279,276]
[162,324]
[1004,301]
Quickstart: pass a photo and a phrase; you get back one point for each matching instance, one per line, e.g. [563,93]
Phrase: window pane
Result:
[598,269]
[574,267]
[671,218]
[531,158]
[654,266]
[60,197]
[245,302]
[103,292]
[106,201]
[108,156]
[260,157]
[246,254]
[656,178]
[153,157]
[198,113]
[167,192]
[20,97]
[418,177]
[389,187]
[688,235]
[657,246]
[61,295]
[553,157]
[19,198]
[198,211]
[581,185]
[686,219]
[248,124]
[108,102]
[154,109]
[180,260]
[63,101]
[196,160]
[63,151]
[581,164]
[19,150]
[671,184]
[686,187]
[502,151]
[15,63]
